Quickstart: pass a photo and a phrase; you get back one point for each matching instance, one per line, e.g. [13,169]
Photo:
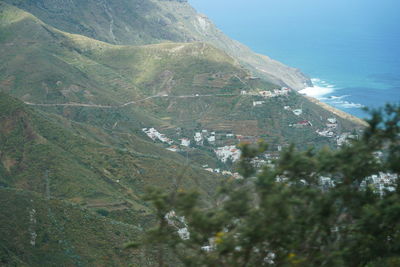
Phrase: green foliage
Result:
[284,216]
[103,212]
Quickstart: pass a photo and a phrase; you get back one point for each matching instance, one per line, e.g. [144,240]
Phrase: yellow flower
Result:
[294,261]
[291,255]
[218,238]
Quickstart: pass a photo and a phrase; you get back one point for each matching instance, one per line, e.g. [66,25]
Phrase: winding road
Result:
[125,104]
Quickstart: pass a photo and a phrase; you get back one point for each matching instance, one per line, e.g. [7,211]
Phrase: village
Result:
[230,154]
[226,154]
[331,124]
[223,144]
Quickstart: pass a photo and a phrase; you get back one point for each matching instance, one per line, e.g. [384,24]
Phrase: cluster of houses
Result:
[329,130]
[381,182]
[266,158]
[228,153]
[235,175]
[284,91]
[259,162]
[344,139]
[156,135]
[211,137]
[199,137]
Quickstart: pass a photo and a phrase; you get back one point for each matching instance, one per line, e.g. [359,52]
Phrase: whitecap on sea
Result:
[319,90]
[322,89]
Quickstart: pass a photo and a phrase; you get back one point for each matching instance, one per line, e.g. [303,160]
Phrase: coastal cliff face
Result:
[138,22]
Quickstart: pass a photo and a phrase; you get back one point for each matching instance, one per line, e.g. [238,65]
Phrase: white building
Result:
[297,112]
[326,182]
[184,233]
[236,175]
[282,92]
[258,103]
[332,120]
[228,152]
[173,148]
[155,135]
[344,139]
[266,94]
[258,163]
[198,137]
[325,133]
[185,142]
[211,139]
[179,223]
[331,125]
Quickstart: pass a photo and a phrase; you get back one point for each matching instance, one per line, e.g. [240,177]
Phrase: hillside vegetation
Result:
[136,22]
[75,69]
[39,232]
[79,97]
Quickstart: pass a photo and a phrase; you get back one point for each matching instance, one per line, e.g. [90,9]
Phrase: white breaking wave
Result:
[317,91]
[321,89]
[333,97]
[347,104]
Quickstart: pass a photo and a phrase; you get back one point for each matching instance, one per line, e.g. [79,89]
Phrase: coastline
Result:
[330,95]
[338,112]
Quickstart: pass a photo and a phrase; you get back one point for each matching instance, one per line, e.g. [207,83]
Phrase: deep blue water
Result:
[350,47]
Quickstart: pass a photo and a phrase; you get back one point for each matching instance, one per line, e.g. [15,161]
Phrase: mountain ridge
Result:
[143,22]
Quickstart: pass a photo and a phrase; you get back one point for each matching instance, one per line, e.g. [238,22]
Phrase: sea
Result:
[349,48]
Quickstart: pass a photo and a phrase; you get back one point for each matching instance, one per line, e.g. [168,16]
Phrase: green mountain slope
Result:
[56,163]
[52,156]
[72,113]
[38,232]
[76,69]
[140,22]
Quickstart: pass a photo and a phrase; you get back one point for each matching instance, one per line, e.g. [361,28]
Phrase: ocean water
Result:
[350,48]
